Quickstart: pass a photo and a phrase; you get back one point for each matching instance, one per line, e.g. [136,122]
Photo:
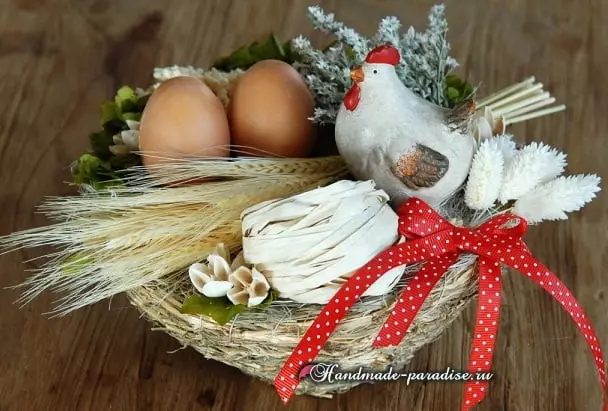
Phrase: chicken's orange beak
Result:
[357,75]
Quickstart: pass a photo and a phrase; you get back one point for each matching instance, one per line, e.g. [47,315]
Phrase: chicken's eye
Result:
[375,71]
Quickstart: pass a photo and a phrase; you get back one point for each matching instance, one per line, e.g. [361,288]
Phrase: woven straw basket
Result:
[260,348]
[258,342]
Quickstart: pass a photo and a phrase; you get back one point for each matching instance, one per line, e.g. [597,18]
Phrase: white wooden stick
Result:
[505,92]
[536,114]
[514,97]
[519,104]
[530,108]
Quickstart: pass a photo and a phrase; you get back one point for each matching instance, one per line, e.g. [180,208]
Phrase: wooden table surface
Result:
[60,59]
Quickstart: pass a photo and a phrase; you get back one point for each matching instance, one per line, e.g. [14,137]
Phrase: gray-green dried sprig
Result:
[425,60]
[327,75]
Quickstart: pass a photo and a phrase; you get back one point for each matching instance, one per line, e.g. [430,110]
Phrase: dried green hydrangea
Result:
[424,67]
[101,166]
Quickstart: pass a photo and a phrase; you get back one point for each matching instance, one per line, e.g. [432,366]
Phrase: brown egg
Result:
[269,112]
[183,119]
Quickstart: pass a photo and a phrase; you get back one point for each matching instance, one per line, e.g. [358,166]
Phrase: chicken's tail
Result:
[520,102]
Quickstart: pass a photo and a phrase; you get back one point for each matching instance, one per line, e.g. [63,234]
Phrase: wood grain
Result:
[59,59]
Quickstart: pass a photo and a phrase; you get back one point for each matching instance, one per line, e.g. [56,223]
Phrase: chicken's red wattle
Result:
[351,99]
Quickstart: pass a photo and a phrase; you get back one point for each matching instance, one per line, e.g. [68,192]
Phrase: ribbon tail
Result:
[411,300]
[525,263]
[486,327]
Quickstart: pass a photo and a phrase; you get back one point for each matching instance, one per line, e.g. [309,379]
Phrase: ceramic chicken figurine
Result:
[407,145]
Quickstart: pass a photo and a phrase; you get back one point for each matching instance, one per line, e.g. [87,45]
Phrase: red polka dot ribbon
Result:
[437,244]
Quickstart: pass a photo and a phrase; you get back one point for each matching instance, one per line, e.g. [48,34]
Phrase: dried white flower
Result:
[165,73]
[133,125]
[221,83]
[552,200]
[535,164]
[140,92]
[126,141]
[485,176]
[249,287]
[507,146]
[212,278]
[487,124]
[237,281]
[425,59]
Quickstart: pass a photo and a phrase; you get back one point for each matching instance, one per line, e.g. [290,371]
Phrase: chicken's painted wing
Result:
[421,167]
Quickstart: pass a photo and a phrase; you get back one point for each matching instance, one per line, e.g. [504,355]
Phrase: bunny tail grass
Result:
[521,102]
[111,241]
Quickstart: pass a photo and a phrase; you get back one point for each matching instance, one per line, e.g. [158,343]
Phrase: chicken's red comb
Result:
[386,54]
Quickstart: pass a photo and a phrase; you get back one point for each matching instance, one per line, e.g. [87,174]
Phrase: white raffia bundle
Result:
[308,244]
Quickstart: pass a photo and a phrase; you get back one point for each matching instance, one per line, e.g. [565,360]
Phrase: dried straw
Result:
[157,225]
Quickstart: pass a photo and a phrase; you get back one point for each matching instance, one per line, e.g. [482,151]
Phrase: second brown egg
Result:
[270,112]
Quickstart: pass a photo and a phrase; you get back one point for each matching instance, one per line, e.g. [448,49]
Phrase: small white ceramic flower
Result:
[211,278]
[237,281]
[250,287]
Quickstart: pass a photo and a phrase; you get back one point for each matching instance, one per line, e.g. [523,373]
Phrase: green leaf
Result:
[126,102]
[271,48]
[119,163]
[109,112]
[135,116]
[115,126]
[240,58]
[221,310]
[86,168]
[127,107]
[115,112]
[272,296]
[452,94]
[457,89]
[124,94]
[291,56]
[92,170]
[246,56]
[141,103]
[101,142]
[288,52]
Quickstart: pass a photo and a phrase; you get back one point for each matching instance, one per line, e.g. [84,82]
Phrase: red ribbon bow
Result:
[437,243]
